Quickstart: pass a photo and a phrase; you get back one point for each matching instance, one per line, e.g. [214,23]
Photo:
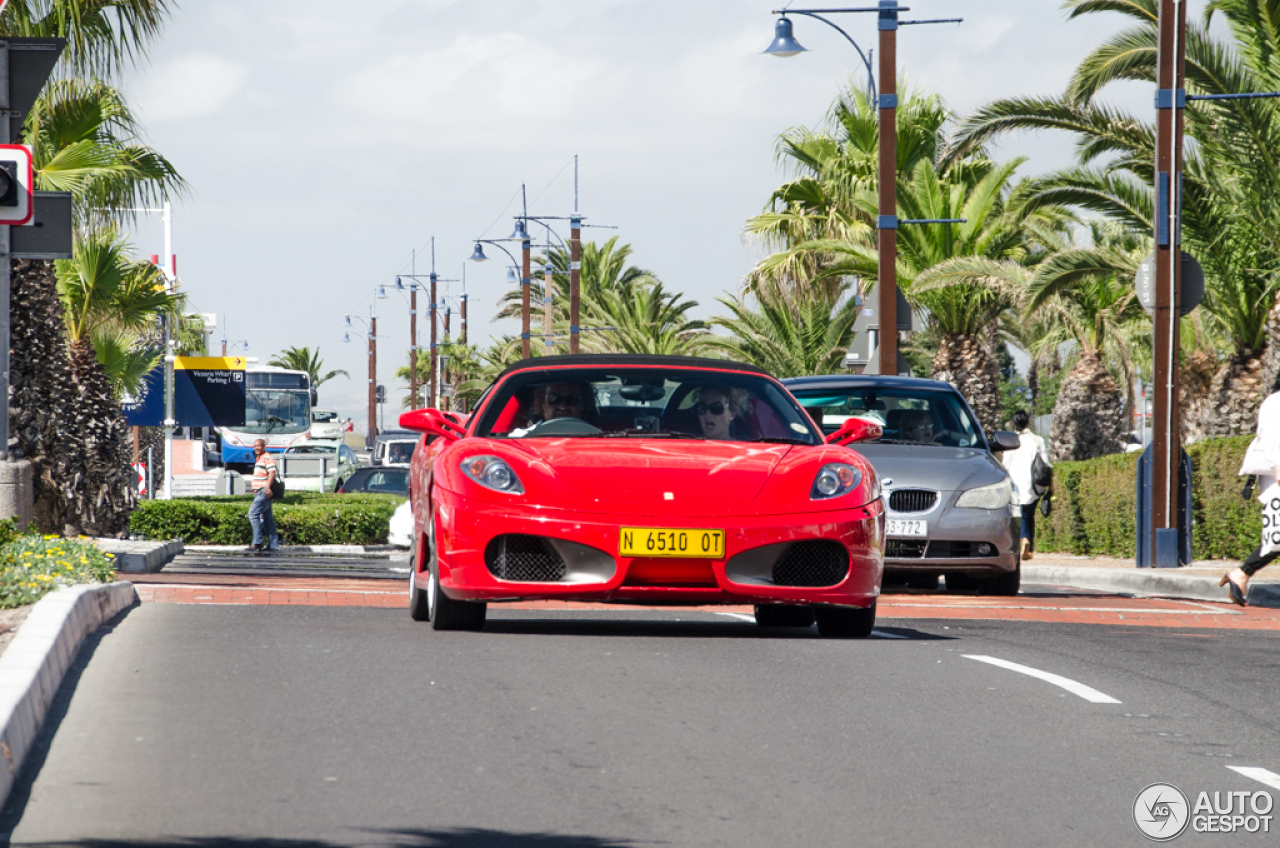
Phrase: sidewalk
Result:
[1197,582]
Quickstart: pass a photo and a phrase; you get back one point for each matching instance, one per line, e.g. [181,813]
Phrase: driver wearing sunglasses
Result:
[564,400]
[716,410]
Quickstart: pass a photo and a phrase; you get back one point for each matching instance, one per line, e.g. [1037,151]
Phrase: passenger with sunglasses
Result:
[716,408]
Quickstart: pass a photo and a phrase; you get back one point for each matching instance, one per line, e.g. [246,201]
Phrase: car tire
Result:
[846,622]
[1006,585]
[446,613]
[419,604]
[784,615]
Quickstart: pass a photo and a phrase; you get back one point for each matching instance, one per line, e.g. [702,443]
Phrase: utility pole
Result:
[575,265]
[525,246]
[887,222]
[1166,436]
[373,376]
[413,326]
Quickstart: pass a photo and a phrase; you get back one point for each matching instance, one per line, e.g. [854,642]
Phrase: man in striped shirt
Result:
[260,514]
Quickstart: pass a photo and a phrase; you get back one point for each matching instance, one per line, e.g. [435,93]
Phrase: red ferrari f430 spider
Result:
[655,480]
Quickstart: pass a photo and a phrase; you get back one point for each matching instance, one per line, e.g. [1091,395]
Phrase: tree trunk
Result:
[1271,356]
[969,363]
[107,495]
[1088,419]
[1230,405]
[78,447]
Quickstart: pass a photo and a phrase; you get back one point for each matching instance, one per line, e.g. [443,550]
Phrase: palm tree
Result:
[302,359]
[72,430]
[787,337]
[642,318]
[1231,186]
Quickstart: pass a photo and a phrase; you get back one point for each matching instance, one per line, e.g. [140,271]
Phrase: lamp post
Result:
[372,337]
[477,255]
[785,45]
[238,344]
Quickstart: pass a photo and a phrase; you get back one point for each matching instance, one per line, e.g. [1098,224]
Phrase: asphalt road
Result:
[236,725]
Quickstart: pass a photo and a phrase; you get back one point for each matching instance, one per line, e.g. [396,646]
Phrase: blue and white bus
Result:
[277,409]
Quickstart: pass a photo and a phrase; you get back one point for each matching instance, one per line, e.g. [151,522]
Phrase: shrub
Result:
[302,518]
[1095,505]
[31,566]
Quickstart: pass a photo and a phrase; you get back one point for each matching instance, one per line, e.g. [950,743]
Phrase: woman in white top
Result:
[1237,580]
[1018,463]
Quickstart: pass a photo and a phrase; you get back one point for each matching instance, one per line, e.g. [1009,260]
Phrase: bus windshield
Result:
[280,411]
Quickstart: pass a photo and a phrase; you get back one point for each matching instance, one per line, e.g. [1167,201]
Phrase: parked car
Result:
[387,481]
[325,424]
[339,464]
[949,499]
[649,479]
[394,447]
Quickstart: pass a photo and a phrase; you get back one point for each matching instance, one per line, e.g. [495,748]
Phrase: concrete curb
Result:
[140,557]
[1147,581]
[32,667]
[366,551]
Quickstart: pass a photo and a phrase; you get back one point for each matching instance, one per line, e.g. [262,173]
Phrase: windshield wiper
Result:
[780,440]
[648,434]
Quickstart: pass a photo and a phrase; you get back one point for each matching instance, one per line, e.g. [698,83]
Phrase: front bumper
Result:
[465,527]
[953,543]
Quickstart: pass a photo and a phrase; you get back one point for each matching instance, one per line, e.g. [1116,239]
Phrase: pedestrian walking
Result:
[261,516]
[1028,467]
[351,426]
[1263,461]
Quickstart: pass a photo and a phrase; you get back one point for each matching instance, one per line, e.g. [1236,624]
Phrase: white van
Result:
[394,450]
[325,424]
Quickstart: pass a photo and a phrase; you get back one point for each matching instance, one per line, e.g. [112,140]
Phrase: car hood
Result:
[595,475]
[932,467]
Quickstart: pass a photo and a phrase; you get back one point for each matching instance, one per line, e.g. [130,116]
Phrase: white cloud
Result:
[191,86]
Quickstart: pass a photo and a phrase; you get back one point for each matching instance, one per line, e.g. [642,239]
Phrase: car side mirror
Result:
[855,430]
[433,422]
[1003,440]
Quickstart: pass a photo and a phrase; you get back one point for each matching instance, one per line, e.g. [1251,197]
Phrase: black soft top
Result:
[607,359]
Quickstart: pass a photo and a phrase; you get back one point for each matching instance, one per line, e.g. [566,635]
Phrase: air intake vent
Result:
[815,563]
[904,548]
[526,559]
[912,500]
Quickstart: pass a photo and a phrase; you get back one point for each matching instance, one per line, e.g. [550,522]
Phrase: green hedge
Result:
[1095,505]
[302,518]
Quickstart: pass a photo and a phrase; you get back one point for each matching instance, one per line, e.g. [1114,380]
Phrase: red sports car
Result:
[657,480]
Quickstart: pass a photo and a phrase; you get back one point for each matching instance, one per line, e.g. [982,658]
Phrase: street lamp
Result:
[238,344]
[784,44]
[372,337]
[478,256]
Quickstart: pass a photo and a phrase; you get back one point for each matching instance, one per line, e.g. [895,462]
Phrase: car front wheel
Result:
[846,622]
[446,613]
[784,615]
[1005,585]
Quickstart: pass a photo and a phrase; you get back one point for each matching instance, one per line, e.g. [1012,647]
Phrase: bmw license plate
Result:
[665,542]
[906,527]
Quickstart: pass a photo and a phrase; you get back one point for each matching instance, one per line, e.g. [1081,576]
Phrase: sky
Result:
[326,143]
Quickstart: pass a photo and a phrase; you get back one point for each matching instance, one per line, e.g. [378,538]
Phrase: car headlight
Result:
[833,480]
[995,496]
[492,473]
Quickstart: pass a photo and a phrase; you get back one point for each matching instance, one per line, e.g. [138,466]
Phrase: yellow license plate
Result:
[665,542]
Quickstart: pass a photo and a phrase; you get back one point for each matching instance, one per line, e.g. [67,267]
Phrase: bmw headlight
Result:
[833,480]
[493,473]
[996,496]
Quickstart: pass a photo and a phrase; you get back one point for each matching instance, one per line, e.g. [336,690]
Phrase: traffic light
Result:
[16,179]
[380,393]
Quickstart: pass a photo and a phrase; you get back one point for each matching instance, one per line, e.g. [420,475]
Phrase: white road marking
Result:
[1088,693]
[1266,778]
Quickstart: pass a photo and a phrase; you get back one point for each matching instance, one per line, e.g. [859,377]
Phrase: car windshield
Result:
[644,402]
[312,449]
[391,481]
[908,416]
[275,411]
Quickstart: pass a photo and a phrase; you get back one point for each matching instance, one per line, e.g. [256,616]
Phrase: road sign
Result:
[141,469]
[1192,284]
[17,180]
[144,407]
[49,236]
[208,391]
